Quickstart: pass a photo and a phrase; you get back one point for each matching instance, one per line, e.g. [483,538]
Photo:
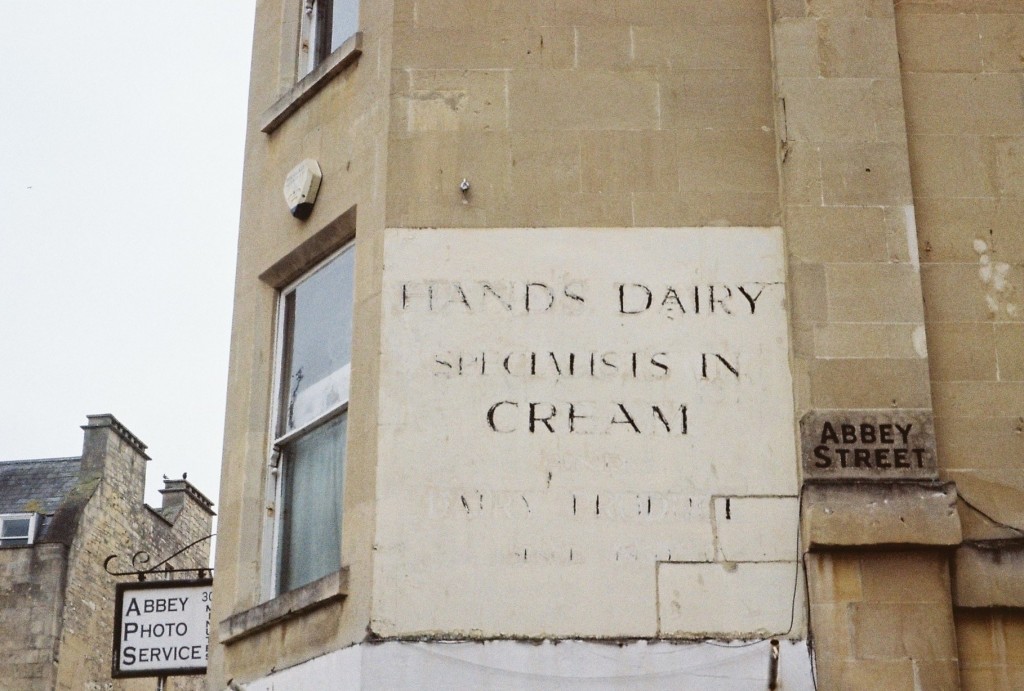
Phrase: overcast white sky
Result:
[121,133]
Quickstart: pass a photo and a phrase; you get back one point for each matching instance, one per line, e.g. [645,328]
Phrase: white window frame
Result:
[277,466]
[316,27]
[33,522]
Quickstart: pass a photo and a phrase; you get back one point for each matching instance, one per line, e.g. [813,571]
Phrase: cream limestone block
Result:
[802,173]
[627,161]
[788,9]
[724,599]
[941,43]
[583,100]
[1001,42]
[736,162]
[904,513]
[604,46]
[470,14]
[979,399]
[457,100]
[834,578]
[818,233]
[998,111]
[718,99]
[546,166]
[954,293]
[870,383]
[557,409]
[989,578]
[720,209]
[968,443]
[820,110]
[941,103]
[962,352]
[865,340]
[870,173]
[696,12]
[796,47]
[949,227]
[919,631]
[1009,168]
[853,291]
[850,8]
[1010,362]
[757,528]
[701,47]
[808,292]
[950,167]
[455,48]
[858,47]
[929,584]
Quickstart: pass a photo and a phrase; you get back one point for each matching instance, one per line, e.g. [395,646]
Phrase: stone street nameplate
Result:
[883,444]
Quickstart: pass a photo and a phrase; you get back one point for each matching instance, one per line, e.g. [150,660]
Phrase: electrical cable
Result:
[796,588]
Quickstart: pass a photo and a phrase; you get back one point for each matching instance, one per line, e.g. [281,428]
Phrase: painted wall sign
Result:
[882,444]
[162,628]
[565,413]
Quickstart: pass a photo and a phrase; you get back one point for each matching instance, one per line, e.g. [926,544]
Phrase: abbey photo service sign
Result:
[162,628]
[563,409]
[882,444]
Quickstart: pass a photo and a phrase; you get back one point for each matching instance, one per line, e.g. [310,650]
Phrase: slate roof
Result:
[38,486]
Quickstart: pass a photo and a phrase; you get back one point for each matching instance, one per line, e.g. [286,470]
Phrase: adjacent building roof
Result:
[36,486]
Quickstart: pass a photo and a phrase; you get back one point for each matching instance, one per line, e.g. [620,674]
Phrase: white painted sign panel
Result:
[564,410]
[162,628]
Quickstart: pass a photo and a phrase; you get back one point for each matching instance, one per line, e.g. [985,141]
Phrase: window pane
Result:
[15,527]
[345,18]
[310,544]
[14,531]
[318,338]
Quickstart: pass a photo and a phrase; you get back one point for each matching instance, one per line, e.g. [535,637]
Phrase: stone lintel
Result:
[312,250]
[989,573]
[873,514]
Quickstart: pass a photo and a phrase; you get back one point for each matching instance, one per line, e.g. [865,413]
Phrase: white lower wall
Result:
[548,666]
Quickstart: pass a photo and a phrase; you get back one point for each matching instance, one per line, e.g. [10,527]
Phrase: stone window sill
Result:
[308,86]
[331,588]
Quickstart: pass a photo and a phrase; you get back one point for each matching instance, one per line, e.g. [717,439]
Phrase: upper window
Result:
[314,362]
[325,25]
[17,529]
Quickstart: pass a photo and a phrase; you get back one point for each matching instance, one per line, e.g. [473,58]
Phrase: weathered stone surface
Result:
[728,600]
[320,592]
[885,619]
[874,514]
[989,574]
[594,424]
[991,644]
[31,606]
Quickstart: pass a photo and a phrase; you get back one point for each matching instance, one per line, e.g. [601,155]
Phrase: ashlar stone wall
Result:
[581,114]
[961,69]
[962,66]
[31,600]
[108,516]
